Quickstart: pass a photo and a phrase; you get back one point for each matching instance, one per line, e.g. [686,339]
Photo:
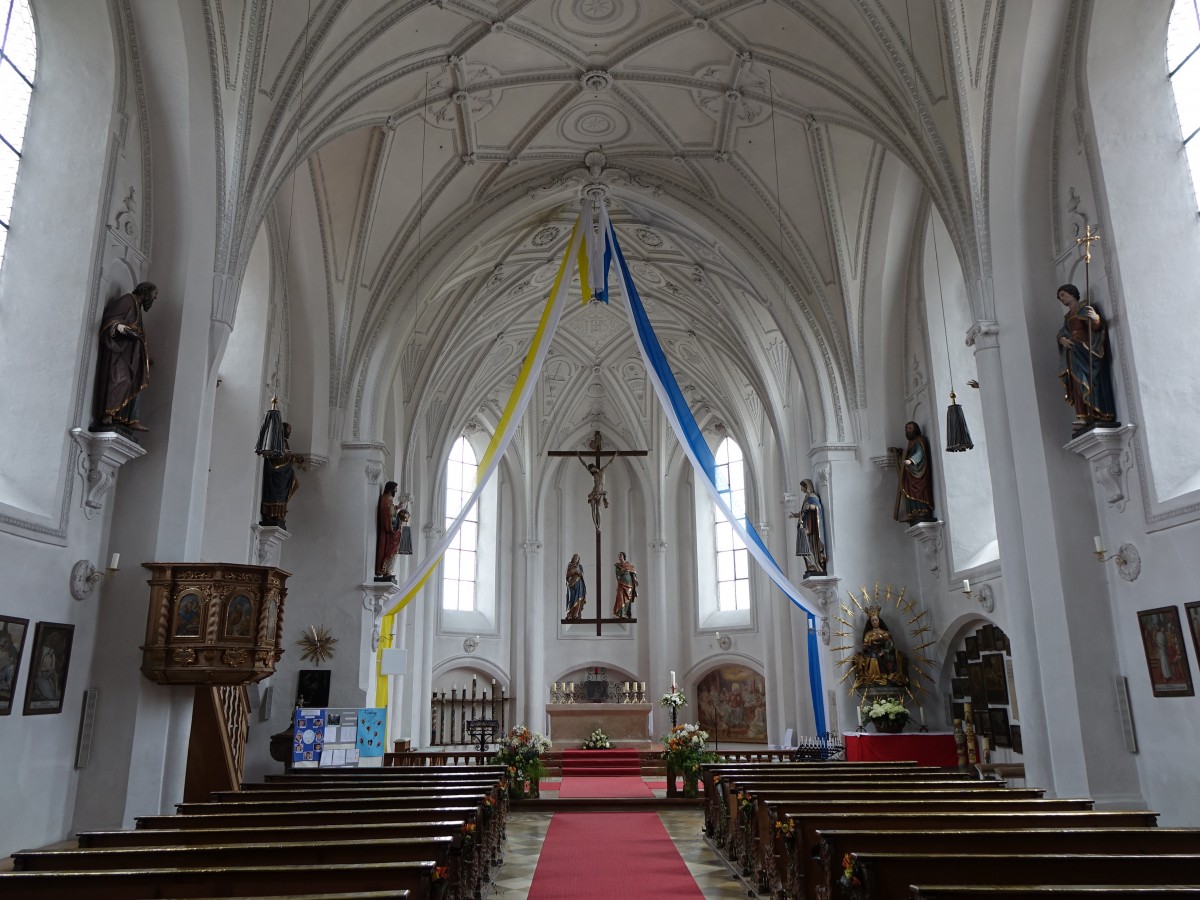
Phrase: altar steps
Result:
[601,763]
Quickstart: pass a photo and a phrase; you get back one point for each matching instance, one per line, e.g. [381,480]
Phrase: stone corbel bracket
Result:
[268,544]
[929,536]
[375,596]
[1109,452]
[826,589]
[101,455]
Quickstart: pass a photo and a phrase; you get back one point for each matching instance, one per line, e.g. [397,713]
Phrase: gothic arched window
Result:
[1183,68]
[459,566]
[733,560]
[18,60]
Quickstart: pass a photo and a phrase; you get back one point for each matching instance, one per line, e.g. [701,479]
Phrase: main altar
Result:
[626,724]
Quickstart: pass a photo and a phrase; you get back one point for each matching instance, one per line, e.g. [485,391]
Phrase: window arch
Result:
[18,62]
[733,560]
[460,565]
[1183,69]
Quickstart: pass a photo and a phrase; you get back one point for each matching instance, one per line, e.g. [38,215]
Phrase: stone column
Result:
[1033,692]
[533,694]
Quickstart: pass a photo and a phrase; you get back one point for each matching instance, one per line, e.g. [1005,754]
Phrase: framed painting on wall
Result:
[1014,733]
[733,704]
[48,663]
[12,642]
[994,683]
[1191,612]
[1166,655]
[1001,737]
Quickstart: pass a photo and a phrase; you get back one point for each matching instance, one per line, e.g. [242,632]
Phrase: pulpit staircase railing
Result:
[217,748]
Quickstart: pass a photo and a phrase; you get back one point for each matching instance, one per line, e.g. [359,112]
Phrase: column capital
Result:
[658,545]
[1109,452]
[532,547]
[984,335]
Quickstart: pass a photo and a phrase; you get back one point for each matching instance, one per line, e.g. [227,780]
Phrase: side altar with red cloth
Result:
[927,748]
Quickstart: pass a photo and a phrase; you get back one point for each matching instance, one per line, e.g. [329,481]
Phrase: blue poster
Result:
[308,735]
[370,732]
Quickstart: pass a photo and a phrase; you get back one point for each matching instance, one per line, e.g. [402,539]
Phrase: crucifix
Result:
[598,501]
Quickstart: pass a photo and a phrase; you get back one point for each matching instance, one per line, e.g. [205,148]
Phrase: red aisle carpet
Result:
[601,763]
[614,786]
[610,856]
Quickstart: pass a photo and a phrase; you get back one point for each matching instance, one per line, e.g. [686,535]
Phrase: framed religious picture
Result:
[1191,612]
[976,687]
[972,644]
[1166,655]
[960,663]
[958,688]
[1001,641]
[994,684]
[958,711]
[12,642]
[983,722]
[312,687]
[48,662]
[987,638]
[1000,733]
[1014,734]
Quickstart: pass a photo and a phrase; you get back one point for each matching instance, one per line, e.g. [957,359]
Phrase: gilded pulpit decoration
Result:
[213,623]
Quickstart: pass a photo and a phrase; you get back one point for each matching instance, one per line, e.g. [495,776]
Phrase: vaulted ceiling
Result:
[742,146]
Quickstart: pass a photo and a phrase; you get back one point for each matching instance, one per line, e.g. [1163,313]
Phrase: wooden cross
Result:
[598,500]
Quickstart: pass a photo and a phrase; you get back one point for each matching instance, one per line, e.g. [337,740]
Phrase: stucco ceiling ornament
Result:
[649,238]
[596,81]
[730,84]
[544,237]
[596,18]
[470,90]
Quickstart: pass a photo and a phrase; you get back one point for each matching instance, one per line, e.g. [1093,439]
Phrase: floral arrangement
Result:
[520,750]
[850,879]
[685,752]
[785,827]
[440,873]
[468,833]
[597,740]
[672,699]
[885,709]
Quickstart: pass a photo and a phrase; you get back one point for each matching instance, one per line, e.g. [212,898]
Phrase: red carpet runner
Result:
[610,856]
[617,786]
[601,763]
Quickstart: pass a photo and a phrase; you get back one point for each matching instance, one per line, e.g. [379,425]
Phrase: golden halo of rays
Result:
[919,662]
[317,644]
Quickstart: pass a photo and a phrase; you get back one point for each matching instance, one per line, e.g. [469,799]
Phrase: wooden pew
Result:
[251,881]
[757,844]
[720,780]
[888,875]
[836,843]
[1052,892]
[435,849]
[731,788]
[298,834]
[803,871]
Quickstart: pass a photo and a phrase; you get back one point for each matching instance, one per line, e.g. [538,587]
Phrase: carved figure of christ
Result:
[597,499]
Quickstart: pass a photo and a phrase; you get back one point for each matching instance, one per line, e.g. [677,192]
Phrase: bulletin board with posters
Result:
[338,738]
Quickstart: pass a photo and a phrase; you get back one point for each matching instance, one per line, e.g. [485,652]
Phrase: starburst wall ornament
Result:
[317,643]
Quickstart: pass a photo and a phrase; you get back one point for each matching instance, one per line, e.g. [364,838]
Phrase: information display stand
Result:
[338,738]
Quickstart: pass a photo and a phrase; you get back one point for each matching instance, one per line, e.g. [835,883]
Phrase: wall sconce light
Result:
[1127,558]
[85,576]
[471,644]
[966,587]
[724,642]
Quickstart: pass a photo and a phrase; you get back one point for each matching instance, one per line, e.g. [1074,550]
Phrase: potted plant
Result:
[887,715]
[520,750]
[597,740]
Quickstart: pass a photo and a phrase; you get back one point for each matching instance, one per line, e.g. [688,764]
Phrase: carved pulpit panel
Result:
[213,623]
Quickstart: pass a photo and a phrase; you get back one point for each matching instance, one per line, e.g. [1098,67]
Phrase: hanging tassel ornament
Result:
[270,435]
[958,438]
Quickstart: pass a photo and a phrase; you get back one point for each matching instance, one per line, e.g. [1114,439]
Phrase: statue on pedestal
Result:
[123,368]
[878,661]
[279,483]
[627,585]
[810,531]
[1085,363]
[576,589]
[914,495]
[387,533]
